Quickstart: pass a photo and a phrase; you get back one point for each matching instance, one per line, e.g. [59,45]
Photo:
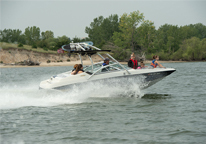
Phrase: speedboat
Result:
[112,74]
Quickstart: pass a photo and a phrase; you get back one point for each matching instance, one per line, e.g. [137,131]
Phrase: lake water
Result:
[171,111]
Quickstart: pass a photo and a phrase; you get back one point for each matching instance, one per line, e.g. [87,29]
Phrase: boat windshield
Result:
[98,68]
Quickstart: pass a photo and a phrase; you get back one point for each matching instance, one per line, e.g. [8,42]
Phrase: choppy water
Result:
[171,111]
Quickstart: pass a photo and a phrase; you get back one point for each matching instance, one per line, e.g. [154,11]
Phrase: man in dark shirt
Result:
[106,62]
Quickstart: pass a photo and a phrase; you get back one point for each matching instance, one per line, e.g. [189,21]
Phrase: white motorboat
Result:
[109,75]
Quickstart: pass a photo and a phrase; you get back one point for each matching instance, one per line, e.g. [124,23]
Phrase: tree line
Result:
[132,33]
[35,38]
[124,35]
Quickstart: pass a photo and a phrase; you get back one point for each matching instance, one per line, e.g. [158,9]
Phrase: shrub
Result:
[9,51]
[1,61]
[48,61]
[46,49]
[42,44]
[177,55]
[60,61]
[57,61]
[34,46]
[20,45]
[149,56]
[163,56]
[68,60]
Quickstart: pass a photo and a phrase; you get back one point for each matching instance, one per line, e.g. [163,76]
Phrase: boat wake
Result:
[29,95]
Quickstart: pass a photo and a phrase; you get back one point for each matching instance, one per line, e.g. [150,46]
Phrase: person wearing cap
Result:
[133,62]
[106,62]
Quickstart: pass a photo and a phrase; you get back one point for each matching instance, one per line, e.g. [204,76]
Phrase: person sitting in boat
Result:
[133,62]
[155,63]
[75,67]
[78,70]
[106,62]
[81,67]
[142,65]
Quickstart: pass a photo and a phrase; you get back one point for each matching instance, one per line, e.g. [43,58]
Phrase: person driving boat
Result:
[106,62]
[93,73]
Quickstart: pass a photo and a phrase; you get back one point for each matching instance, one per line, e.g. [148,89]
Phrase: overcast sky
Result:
[70,17]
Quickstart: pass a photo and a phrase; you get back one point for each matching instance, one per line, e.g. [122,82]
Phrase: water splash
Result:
[21,95]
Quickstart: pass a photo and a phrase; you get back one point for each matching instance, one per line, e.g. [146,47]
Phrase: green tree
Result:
[46,35]
[61,41]
[146,34]
[15,35]
[95,30]
[201,30]
[109,26]
[76,39]
[128,35]
[159,44]
[170,44]
[47,40]
[101,30]
[32,35]
[203,48]
[168,39]
[196,30]
[6,35]
[190,49]
[52,42]
[12,36]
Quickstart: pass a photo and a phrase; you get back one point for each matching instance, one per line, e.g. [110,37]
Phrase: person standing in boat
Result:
[133,62]
[155,63]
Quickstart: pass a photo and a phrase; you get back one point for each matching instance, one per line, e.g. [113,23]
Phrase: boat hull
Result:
[143,80]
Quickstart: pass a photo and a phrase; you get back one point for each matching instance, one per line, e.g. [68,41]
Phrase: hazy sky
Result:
[70,17]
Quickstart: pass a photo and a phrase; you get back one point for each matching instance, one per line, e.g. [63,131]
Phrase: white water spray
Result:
[30,95]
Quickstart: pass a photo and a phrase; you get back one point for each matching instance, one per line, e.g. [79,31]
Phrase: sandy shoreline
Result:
[44,64]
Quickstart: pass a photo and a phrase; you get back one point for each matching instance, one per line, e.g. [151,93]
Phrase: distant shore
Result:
[72,63]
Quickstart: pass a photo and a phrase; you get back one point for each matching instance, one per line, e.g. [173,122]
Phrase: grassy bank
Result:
[5,46]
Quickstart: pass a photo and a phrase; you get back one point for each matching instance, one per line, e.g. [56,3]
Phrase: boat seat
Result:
[89,73]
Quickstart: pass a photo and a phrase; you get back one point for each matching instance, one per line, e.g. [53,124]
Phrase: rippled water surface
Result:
[171,111]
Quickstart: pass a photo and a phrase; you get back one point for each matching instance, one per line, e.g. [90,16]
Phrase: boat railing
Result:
[79,47]
[118,63]
[111,58]
[104,67]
